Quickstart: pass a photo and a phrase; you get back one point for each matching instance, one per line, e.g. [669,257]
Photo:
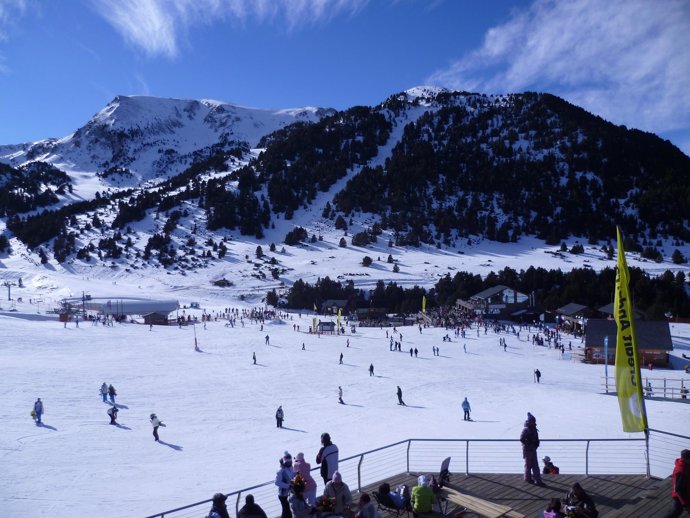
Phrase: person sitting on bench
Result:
[422,496]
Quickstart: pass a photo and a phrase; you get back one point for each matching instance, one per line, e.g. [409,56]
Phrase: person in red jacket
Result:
[680,489]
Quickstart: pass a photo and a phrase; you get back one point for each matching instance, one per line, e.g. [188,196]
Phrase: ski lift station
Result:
[154,311]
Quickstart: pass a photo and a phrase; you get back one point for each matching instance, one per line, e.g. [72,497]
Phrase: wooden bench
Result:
[479,505]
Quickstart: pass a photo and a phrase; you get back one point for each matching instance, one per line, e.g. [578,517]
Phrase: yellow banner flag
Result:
[338,323]
[628,379]
[423,303]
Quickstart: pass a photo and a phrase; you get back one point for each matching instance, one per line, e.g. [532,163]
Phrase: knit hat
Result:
[531,418]
[299,457]
[337,477]
[286,458]
[422,480]
[546,459]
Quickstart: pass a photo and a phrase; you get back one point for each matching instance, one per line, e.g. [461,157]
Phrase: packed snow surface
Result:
[219,407]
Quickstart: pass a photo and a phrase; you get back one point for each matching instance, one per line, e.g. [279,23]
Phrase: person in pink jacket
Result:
[304,468]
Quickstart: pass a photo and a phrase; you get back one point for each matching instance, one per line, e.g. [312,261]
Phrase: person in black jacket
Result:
[218,507]
[250,509]
[579,503]
[530,442]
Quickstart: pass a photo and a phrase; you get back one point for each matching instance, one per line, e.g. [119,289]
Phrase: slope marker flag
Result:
[628,378]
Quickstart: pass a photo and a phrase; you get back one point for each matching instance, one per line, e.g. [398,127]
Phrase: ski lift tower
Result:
[9,285]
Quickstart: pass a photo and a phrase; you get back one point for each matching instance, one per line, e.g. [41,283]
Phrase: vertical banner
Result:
[338,323]
[628,379]
[423,303]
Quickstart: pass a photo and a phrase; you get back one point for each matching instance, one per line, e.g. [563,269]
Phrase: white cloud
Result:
[10,12]
[156,25]
[625,60]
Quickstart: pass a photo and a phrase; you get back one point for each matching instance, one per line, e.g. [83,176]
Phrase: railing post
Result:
[467,458]
[646,440]
[409,444]
[359,473]
[587,459]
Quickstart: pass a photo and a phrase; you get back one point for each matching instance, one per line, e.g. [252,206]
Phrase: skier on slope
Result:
[112,412]
[112,393]
[104,392]
[466,410]
[38,411]
[155,422]
[279,417]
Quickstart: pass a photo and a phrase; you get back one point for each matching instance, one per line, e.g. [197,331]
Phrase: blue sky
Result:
[62,61]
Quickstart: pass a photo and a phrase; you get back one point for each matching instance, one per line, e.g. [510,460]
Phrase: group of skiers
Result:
[105,391]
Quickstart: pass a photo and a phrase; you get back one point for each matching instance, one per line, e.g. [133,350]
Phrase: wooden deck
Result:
[616,496]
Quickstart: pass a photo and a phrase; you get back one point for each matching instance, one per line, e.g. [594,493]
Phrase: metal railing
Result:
[667,388]
[578,456]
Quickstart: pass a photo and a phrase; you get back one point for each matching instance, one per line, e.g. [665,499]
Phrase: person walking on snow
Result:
[112,394]
[254,358]
[104,392]
[38,410]
[371,369]
[155,422]
[537,375]
[466,409]
[341,358]
[400,399]
[340,395]
[279,417]
[267,339]
[112,412]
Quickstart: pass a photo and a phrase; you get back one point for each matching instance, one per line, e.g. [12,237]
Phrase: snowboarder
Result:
[112,393]
[112,412]
[340,395]
[371,369]
[400,399]
[155,422]
[104,392]
[279,417]
[38,410]
[341,358]
[537,375]
[466,409]
[254,358]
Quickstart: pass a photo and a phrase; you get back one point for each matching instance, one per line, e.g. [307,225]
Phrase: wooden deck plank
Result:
[616,496]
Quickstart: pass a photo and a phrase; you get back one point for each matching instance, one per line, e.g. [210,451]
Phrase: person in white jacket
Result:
[155,422]
[327,457]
